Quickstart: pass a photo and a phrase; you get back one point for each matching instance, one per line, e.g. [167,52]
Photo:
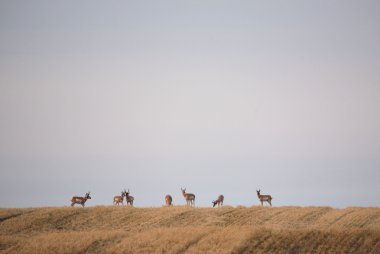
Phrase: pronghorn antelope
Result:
[129,198]
[190,198]
[264,198]
[168,200]
[219,201]
[80,200]
[119,199]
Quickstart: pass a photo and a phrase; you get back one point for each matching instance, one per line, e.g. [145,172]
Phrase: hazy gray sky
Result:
[221,97]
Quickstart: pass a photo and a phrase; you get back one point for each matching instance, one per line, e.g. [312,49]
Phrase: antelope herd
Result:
[189,197]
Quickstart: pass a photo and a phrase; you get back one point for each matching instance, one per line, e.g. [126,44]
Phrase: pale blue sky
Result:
[220,97]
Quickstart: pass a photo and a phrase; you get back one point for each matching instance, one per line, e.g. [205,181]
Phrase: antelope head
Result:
[214,203]
[87,196]
[183,190]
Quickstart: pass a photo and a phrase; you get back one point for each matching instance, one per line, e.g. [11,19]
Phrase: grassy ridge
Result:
[109,229]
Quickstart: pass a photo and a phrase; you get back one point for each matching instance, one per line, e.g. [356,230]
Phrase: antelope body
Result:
[80,200]
[119,199]
[264,198]
[129,198]
[168,200]
[219,201]
[189,197]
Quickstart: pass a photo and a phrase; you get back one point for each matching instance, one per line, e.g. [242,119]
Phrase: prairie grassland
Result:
[121,229]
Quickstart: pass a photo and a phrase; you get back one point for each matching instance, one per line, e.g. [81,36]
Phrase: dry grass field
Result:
[111,229]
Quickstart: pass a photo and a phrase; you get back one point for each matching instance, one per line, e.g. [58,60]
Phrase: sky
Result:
[218,97]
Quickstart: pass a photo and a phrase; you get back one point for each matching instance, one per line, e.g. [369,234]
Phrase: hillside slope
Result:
[110,229]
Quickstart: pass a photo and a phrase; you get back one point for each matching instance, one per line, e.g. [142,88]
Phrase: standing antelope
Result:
[119,199]
[219,201]
[190,198]
[168,200]
[80,200]
[128,198]
[263,198]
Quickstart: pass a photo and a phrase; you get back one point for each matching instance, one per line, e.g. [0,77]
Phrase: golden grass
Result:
[178,229]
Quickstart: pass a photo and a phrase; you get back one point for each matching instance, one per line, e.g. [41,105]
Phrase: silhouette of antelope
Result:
[190,198]
[80,200]
[264,198]
[168,200]
[119,199]
[219,201]
[129,198]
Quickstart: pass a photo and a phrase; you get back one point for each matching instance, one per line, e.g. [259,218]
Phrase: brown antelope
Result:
[168,200]
[190,198]
[80,200]
[219,201]
[128,198]
[119,199]
[263,198]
